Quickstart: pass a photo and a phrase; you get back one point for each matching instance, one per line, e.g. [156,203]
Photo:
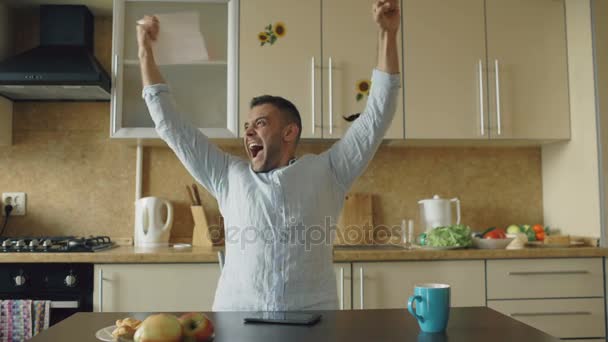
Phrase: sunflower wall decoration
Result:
[272,33]
[362,89]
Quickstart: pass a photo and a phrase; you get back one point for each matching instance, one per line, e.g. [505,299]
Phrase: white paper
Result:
[180,40]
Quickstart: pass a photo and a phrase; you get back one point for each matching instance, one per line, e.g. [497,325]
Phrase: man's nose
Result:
[249,131]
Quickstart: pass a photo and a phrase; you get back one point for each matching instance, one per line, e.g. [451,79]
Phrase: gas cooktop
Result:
[55,244]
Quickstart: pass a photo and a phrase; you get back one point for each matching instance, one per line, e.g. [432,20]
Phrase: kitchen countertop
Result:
[129,254]
[465,324]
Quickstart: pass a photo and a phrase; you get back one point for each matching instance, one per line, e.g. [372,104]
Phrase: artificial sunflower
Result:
[262,37]
[362,89]
[363,86]
[279,29]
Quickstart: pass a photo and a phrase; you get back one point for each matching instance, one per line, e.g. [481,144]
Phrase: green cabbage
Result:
[458,235]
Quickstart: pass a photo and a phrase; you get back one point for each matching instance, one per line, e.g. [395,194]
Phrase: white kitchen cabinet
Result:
[384,285]
[350,37]
[527,69]
[562,297]
[297,64]
[548,278]
[204,92]
[479,69]
[564,318]
[344,283]
[154,287]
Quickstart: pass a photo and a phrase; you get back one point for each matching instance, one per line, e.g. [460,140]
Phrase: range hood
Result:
[63,67]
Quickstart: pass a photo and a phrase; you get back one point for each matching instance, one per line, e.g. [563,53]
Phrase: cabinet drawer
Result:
[558,317]
[551,278]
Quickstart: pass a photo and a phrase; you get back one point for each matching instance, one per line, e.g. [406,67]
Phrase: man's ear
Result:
[290,132]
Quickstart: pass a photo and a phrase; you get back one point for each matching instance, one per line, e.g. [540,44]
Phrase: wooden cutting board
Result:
[356,222]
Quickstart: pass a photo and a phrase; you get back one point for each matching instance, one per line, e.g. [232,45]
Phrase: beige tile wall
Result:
[79,181]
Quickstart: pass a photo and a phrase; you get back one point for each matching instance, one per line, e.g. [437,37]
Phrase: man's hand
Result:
[387,15]
[147,32]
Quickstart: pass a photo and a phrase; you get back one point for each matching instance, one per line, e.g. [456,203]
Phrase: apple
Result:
[159,328]
[197,327]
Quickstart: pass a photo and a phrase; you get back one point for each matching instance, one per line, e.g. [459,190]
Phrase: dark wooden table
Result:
[466,324]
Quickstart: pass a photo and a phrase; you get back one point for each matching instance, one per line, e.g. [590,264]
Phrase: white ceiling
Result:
[98,7]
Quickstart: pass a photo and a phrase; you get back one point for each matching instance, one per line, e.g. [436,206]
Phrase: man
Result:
[275,207]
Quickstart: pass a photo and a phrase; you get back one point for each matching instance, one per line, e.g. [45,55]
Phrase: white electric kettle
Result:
[150,230]
[436,212]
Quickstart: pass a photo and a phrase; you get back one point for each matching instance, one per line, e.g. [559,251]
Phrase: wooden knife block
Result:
[200,234]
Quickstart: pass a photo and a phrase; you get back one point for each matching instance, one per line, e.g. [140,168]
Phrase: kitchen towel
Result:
[41,315]
[15,320]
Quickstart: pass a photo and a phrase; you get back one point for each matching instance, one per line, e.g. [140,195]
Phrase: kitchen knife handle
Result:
[100,293]
[313,95]
[331,97]
[481,103]
[341,288]
[190,195]
[498,114]
[361,286]
[196,194]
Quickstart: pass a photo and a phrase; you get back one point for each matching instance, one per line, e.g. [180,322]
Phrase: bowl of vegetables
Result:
[492,238]
[448,237]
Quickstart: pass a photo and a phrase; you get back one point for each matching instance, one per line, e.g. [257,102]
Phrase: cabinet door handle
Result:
[73,304]
[498,115]
[341,288]
[100,293]
[115,94]
[313,94]
[547,272]
[361,285]
[481,103]
[558,313]
[331,97]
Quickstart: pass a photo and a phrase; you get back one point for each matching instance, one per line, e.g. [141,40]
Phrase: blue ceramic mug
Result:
[432,309]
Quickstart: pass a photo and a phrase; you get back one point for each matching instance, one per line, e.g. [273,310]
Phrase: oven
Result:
[68,286]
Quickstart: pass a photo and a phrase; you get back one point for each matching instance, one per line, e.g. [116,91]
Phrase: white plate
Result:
[105,334]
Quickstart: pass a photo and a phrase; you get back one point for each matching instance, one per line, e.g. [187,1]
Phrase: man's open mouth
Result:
[254,149]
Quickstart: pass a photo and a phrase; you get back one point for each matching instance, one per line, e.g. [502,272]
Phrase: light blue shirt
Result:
[280,224]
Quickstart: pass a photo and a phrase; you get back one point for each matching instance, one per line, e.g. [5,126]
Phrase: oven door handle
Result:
[71,304]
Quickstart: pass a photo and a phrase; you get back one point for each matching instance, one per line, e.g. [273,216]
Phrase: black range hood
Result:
[63,67]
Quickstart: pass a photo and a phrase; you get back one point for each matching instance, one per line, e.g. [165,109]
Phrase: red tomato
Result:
[538,228]
[495,234]
[540,236]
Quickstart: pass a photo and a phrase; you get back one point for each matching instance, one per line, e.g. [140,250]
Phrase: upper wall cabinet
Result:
[320,56]
[528,69]
[350,38]
[478,69]
[204,91]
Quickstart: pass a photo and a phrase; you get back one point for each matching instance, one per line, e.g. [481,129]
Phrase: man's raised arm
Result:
[205,162]
[349,157]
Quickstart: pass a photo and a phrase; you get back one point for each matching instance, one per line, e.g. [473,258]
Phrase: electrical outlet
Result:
[17,200]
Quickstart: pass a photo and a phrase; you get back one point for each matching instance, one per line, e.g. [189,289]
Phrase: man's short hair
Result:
[288,109]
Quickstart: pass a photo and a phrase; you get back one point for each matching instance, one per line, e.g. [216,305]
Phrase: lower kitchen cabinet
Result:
[562,297]
[154,287]
[563,318]
[344,282]
[384,285]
